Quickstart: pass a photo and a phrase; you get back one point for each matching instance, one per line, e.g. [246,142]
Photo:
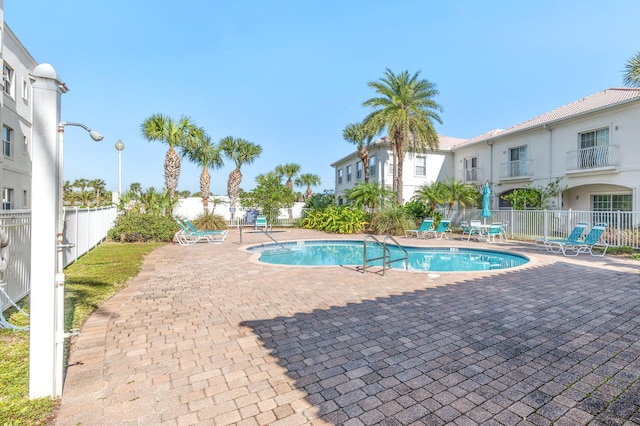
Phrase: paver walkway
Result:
[207,335]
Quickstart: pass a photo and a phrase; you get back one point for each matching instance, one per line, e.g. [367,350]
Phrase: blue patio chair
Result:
[261,222]
[189,235]
[427,223]
[587,245]
[553,245]
[466,229]
[494,229]
[440,230]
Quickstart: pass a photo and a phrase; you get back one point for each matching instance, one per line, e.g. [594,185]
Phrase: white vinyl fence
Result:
[84,229]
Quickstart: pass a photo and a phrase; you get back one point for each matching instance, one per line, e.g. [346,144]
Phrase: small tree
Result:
[269,196]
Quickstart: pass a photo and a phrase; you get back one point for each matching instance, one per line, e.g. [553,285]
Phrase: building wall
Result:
[16,114]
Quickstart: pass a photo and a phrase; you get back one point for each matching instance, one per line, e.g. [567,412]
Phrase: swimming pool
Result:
[348,252]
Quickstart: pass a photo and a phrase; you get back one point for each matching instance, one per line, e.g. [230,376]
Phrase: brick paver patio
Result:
[208,335]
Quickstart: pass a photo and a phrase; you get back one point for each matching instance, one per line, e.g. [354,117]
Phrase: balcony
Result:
[474,174]
[516,170]
[597,158]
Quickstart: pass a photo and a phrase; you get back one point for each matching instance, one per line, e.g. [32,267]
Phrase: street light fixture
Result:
[119,147]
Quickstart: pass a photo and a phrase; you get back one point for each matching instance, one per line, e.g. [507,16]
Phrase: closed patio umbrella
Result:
[486,194]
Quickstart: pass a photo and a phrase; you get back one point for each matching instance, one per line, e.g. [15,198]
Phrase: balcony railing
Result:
[516,169]
[593,158]
[472,175]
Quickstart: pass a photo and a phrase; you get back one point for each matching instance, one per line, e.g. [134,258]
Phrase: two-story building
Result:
[16,116]
[592,143]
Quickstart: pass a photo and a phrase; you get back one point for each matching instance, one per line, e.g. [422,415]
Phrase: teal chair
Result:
[591,241]
[466,229]
[554,245]
[441,230]
[425,226]
[494,229]
[261,222]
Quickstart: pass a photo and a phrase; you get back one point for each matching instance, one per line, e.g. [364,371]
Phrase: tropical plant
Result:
[199,150]
[269,196]
[162,128]
[308,180]
[406,109]
[631,75]
[459,192]
[143,227]
[368,195]
[240,151]
[362,136]
[321,200]
[417,210]
[392,219]
[288,170]
[209,221]
[341,220]
[432,195]
[135,188]
[98,186]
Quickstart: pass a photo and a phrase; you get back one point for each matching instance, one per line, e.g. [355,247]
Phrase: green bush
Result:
[417,211]
[392,219]
[210,222]
[140,227]
[340,220]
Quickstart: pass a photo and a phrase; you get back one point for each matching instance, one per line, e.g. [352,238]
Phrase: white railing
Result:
[592,158]
[516,169]
[84,229]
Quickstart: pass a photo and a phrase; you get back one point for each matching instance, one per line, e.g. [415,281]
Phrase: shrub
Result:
[141,227]
[210,221]
[417,211]
[393,219]
[340,220]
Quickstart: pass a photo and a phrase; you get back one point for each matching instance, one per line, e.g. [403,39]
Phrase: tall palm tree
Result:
[288,170]
[433,195]
[98,186]
[459,192]
[199,150]
[631,75]
[406,109]
[162,128]
[360,135]
[308,180]
[240,151]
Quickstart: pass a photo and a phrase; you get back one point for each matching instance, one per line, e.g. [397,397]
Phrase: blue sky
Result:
[290,75]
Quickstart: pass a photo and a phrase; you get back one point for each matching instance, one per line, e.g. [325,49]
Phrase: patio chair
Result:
[494,229]
[466,229]
[553,245]
[427,223]
[261,222]
[211,235]
[441,230]
[188,235]
[587,245]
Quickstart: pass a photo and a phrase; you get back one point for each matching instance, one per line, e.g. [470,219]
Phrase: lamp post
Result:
[119,147]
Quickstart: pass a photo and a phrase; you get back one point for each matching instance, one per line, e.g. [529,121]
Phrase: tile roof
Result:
[591,103]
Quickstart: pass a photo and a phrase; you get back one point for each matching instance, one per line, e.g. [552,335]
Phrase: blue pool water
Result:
[338,252]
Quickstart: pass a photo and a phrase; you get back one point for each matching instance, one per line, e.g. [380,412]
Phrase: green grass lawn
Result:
[90,281]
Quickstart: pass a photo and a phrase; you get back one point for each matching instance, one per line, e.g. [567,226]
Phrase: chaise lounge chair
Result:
[441,230]
[189,235]
[427,223]
[586,246]
[552,245]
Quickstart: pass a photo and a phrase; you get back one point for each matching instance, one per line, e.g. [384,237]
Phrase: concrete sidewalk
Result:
[207,335]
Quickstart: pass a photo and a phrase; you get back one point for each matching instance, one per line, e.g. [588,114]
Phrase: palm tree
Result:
[199,150]
[368,195]
[631,76]
[240,151]
[459,192]
[358,134]
[433,195]
[98,186]
[135,189]
[288,170]
[406,109]
[162,128]
[308,180]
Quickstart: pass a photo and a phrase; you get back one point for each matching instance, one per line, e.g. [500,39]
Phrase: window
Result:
[7,135]
[421,165]
[348,173]
[7,199]
[518,161]
[339,176]
[25,145]
[390,171]
[606,205]
[7,76]
[593,150]
[373,165]
[470,169]
[359,170]
[25,199]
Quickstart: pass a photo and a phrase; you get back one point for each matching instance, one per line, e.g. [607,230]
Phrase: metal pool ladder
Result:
[386,253]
